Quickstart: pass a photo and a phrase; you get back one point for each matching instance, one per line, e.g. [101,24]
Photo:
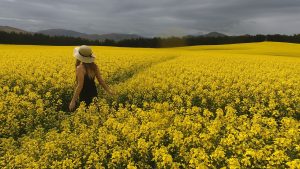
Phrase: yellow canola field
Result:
[219,106]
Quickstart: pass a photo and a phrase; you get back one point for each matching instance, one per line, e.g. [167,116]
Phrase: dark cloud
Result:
[155,17]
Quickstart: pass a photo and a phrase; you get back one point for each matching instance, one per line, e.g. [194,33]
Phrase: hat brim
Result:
[82,58]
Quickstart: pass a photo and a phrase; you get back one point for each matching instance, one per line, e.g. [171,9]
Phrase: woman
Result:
[86,71]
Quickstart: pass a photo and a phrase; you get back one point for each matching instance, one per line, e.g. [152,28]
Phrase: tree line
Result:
[156,42]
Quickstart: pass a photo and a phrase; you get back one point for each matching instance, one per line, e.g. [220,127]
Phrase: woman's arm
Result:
[80,77]
[101,82]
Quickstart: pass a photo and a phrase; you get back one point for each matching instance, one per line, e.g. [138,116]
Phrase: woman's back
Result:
[89,89]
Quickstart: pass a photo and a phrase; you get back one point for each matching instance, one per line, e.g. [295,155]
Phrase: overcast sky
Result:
[154,17]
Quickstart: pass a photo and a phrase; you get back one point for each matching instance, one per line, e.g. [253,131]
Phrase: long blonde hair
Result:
[91,68]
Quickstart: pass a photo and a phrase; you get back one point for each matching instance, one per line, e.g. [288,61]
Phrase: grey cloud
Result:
[155,17]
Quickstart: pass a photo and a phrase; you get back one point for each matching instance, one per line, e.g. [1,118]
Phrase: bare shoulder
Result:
[80,69]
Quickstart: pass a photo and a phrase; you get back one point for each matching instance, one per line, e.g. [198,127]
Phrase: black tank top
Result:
[89,90]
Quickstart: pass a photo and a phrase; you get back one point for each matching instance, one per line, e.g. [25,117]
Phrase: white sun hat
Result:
[84,54]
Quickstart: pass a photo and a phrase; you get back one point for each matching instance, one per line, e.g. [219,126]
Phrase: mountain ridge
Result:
[60,32]
[210,34]
[101,37]
[10,29]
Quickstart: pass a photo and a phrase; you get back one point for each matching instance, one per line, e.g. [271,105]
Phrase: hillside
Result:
[10,29]
[61,32]
[102,37]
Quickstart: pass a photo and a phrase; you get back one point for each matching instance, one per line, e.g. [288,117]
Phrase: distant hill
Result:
[215,34]
[102,37]
[211,34]
[70,33]
[61,32]
[119,36]
[12,29]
